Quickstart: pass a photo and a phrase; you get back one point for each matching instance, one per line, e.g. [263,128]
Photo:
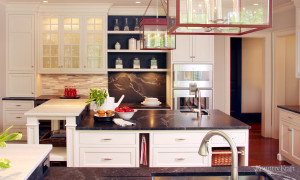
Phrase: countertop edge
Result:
[288,109]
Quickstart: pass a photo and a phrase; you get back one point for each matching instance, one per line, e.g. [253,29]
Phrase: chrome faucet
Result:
[198,93]
[203,150]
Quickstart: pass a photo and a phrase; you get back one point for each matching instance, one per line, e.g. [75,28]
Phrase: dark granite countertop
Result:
[275,172]
[167,120]
[141,106]
[292,108]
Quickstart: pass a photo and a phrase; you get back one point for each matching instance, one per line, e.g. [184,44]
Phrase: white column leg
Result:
[54,125]
[71,150]
[32,130]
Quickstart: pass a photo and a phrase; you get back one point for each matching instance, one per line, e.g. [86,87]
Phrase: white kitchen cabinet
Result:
[20,43]
[13,114]
[289,135]
[20,85]
[108,149]
[72,44]
[193,49]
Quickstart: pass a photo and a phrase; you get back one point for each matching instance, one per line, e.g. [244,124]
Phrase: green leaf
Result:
[2,144]
[4,163]
[10,137]
[5,132]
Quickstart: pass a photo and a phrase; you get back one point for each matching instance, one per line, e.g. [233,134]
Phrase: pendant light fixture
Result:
[218,17]
[154,29]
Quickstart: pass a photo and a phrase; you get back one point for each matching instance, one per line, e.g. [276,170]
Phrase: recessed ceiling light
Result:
[255,4]
[138,2]
[45,1]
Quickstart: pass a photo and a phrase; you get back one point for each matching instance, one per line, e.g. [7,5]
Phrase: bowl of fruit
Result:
[125,112]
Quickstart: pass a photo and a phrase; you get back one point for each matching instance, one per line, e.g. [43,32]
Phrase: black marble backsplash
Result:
[136,86]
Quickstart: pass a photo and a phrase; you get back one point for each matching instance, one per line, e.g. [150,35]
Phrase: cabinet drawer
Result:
[107,157]
[107,138]
[237,137]
[178,157]
[15,118]
[178,138]
[16,105]
[289,116]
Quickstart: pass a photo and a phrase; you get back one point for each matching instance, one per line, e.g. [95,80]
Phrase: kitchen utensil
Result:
[132,44]
[109,103]
[126,115]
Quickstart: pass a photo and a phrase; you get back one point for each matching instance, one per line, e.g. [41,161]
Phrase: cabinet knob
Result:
[18,105]
[290,117]
[32,92]
[180,139]
[18,117]
[179,159]
[32,66]
[289,129]
[107,159]
[84,66]
[107,139]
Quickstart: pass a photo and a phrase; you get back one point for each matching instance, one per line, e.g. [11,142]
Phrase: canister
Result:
[132,44]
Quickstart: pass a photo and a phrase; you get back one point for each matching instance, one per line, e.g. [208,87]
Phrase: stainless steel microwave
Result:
[200,75]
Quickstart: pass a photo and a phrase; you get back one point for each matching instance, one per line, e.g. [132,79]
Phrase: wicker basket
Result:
[56,142]
[221,158]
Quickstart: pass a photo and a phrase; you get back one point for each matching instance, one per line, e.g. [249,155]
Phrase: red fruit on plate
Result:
[129,110]
[126,107]
[121,110]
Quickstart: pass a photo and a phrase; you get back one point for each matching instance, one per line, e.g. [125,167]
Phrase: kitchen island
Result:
[172,137]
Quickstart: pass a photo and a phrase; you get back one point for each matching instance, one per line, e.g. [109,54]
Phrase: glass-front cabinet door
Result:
[72,44]
[95,55]
[49,44]
[71,56]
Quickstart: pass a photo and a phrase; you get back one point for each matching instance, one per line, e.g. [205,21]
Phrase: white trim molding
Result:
[267,79]
[20,8]
[134,10]
[75,8]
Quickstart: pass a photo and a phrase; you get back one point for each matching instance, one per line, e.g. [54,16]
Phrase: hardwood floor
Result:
[262,151]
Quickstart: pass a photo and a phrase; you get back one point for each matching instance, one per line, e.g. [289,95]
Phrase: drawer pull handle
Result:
[289,129]
[18,117]
[107,159]
[179,159]
[18,105]
[180,139]
[107,139]
[290,117]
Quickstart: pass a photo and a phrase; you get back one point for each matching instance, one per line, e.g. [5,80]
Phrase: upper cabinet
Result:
[72,44]
[20,43]
[193,49]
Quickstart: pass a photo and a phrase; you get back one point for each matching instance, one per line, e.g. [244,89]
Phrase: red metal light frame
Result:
[177,23]
[151,21]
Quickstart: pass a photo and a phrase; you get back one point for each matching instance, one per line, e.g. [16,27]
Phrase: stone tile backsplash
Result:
[54,84]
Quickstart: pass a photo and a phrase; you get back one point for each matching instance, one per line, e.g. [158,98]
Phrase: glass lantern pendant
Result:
[154,30]
[218,17]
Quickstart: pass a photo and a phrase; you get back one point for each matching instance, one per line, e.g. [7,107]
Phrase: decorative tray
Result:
[104,118]
[64,97]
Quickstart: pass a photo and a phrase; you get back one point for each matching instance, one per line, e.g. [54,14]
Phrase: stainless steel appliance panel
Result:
[199,74]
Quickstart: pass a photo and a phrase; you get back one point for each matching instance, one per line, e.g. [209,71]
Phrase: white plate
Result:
[151,104]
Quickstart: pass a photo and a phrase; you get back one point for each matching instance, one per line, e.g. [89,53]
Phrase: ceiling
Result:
[121,2]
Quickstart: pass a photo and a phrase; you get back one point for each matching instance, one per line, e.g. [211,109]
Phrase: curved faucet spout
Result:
[203,150]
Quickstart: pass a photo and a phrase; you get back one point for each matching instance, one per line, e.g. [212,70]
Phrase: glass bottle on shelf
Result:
[136,27]
[126,27]
[116,26]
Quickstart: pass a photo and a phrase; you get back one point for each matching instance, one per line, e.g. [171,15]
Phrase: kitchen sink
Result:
[259,176]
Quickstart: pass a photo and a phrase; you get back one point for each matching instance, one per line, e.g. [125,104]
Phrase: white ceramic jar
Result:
[132,44]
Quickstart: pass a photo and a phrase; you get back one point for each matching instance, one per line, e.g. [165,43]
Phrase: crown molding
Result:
[134,10]
[75,8]
[284,7]
[22,7]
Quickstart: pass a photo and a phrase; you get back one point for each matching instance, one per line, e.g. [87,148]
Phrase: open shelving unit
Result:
[136,70]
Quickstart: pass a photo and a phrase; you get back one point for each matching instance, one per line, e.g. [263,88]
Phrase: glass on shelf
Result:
[116,27]
[126,27]
[153,63]
[137,26]
[119,63]
[136,63]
